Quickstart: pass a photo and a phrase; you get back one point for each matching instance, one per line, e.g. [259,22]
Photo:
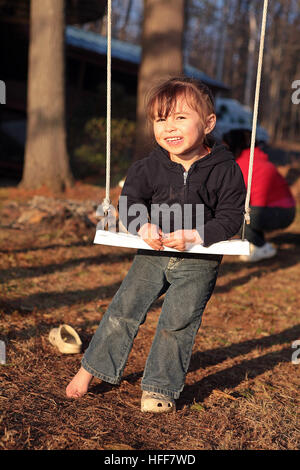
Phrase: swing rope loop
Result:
[255,113]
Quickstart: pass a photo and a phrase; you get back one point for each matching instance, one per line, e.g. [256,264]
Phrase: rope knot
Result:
[247,215]
[104,208]
[106,205]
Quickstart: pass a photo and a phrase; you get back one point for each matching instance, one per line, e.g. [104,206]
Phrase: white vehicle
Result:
[231,114]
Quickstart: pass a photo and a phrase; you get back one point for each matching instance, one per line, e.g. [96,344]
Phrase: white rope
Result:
[255,110]
[106,202]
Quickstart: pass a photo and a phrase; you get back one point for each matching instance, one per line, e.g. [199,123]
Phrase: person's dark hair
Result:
[237,140]
[163,97]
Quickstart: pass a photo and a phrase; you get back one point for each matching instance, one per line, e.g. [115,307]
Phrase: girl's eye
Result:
[159,119]
[180,117]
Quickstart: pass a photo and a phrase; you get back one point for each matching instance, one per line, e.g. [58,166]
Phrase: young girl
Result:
[182,169]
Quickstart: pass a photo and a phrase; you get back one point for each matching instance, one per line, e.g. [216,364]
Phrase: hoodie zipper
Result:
[185,175]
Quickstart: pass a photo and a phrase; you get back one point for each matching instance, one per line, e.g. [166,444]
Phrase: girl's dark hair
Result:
[162,98]
[237,140]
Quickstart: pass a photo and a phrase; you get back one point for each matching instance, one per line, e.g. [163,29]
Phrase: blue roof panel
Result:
[122,50]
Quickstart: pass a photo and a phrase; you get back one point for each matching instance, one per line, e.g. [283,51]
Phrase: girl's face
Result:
[182,132]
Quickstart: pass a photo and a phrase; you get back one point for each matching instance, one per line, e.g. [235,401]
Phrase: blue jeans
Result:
[188,283]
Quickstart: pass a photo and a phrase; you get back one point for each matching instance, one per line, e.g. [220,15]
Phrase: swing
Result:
[127,240]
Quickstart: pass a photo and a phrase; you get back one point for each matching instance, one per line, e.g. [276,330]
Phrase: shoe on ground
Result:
[258,253]
[65,339]
[157,403]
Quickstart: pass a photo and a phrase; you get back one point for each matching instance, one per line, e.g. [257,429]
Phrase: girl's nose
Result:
[170,125]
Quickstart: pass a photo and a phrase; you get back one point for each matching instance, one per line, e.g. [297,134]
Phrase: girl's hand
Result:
[152,235]
[182,239]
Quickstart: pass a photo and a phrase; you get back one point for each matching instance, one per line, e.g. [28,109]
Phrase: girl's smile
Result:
[174,140]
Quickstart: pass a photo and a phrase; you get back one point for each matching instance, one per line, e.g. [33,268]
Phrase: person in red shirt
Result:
[271,201]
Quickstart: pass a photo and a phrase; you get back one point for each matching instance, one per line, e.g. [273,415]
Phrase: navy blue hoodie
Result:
[215,181]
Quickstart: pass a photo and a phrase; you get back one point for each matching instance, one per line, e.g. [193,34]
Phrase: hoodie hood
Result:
[218,154]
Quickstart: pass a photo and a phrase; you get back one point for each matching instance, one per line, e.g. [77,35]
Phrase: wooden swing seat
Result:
[126,240]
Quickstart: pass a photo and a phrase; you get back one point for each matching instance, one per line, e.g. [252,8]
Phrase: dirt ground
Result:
[242,388]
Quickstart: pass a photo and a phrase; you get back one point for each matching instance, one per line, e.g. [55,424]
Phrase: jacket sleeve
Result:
[229,212]
[135,200]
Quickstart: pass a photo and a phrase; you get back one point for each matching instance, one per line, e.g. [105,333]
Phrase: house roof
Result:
[125,51]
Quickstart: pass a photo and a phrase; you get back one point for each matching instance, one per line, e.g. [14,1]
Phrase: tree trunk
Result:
[234,70]
[276,76]
[162,56]
[222,41]
[122,34]
[46,156]
[253,28]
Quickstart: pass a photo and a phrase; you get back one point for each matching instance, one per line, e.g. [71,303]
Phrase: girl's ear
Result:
[210,123]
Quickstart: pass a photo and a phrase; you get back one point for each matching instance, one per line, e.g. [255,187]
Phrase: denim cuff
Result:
[99,375]
[168,393]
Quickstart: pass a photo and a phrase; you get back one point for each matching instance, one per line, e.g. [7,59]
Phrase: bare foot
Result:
[79,384]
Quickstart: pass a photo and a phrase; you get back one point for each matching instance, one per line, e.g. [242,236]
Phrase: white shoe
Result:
[66,339]
[157,403]
[258,253]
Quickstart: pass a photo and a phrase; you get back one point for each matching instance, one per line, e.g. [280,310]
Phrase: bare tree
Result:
[46,156]
[126,19]
[162,54]
[252,42]
[222,41]
[233,56]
